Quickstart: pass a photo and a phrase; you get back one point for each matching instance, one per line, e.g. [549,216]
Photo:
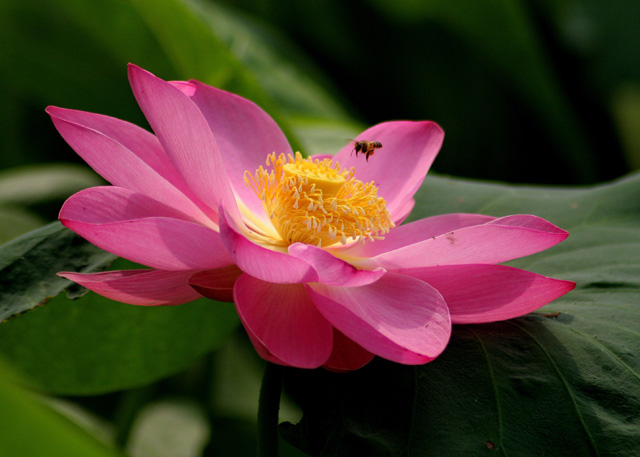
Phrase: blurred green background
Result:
[527,91]
[539,91]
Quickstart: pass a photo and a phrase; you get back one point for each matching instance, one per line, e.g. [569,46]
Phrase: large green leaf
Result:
[28,266]
[94,345]
[562,381]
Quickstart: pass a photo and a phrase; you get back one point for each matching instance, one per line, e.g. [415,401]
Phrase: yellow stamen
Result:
[316,202]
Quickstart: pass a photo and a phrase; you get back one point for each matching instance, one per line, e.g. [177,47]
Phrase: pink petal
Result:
[477,294]
[158,242]
[186,137]
[347,355]
[126,156]
[261,262]
[284,320]
[398,317]
[530,222]
[137,140]
[488,243]
[402,212]
[245,135]
[216,284]
[262,350]
[139,287]
[106,204]
[415,232]
[186,87]
[322,157]
[400,166]
[331,270]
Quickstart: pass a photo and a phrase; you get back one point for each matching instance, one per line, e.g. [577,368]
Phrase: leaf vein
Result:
[565,383]
[494,384]
[615,357]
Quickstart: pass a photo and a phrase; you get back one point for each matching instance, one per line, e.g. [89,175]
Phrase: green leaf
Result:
[28,266]
[94,345]
[562,381]
[99,345]
[28,428]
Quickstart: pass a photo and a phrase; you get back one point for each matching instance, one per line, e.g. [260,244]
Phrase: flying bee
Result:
[368,148]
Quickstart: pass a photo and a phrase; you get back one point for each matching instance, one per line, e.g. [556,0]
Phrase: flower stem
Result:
[268,407]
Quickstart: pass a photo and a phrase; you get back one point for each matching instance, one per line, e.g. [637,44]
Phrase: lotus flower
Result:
[311,251]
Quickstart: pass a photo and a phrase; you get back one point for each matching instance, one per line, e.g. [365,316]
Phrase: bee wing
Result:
[353,143]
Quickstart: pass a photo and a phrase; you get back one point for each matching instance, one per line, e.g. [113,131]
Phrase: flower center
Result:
[315,202]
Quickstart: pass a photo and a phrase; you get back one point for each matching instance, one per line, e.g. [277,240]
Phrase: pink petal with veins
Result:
[186,137]
[400,166]
[126,156]
[245,135]
[261,349]
[139,287]
[106,204]
[399,318]
[162,243]
[477,294]
[415,232]
[216,284]
[140,229]
[487,243]
[136,139]
[347,355]
[284,320]
[261,262]
[331,270]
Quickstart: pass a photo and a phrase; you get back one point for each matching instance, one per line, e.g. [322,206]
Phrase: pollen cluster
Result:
[316,202]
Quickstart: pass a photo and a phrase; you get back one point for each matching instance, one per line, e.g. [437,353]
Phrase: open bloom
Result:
[311,251]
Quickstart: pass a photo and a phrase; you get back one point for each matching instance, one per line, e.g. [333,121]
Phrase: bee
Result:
[368,148]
